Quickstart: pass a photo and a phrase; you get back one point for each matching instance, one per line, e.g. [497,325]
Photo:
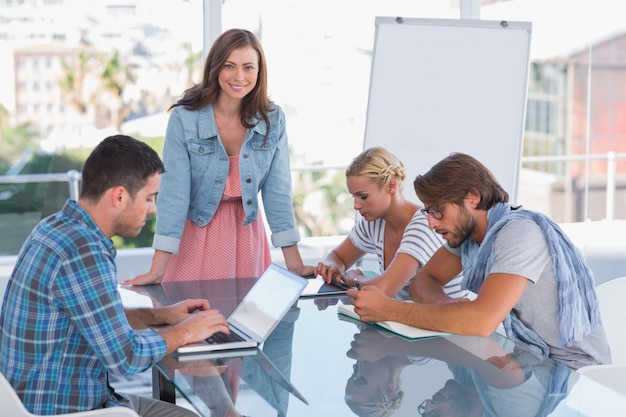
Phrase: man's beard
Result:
[463,229]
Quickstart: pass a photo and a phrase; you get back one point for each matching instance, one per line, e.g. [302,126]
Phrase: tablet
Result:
[316,287]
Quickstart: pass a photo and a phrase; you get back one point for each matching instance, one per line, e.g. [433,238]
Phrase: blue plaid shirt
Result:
[63,327]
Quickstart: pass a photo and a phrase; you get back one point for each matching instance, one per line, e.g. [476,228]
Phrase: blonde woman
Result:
[389,226]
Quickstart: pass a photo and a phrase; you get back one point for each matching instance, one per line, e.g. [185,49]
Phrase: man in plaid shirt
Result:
[63,327]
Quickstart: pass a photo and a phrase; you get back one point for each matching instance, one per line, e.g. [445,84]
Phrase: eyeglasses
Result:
[436,212]
[421,410]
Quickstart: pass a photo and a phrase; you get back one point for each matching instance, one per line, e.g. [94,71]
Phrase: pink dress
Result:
[224,248]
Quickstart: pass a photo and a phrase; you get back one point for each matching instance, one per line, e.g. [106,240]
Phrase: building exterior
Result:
[39,96]
[60,53]
[577,108]
[570,100]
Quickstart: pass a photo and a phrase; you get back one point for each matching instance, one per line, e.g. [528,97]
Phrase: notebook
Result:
[401,329]
[260,311]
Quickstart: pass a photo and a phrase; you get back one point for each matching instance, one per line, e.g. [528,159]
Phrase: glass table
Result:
[319,363]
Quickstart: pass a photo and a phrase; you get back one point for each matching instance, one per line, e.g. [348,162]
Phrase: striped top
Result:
[417,241]
[62,326]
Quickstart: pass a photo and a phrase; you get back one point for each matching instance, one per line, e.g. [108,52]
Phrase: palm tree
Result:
[192,63]
[72,83]
[116,74]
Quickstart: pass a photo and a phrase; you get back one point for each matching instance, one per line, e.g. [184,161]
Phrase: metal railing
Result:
[611,171]
[73,177]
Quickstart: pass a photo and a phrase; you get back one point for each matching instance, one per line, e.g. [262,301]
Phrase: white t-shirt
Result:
[418,241]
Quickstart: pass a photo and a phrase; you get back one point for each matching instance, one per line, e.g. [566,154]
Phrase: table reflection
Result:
[213,381]
[216,378]
[222,294]
[346,368]
[487,376]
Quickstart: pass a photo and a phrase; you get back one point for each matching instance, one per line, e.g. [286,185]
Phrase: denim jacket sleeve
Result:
[275,186]
[175,189]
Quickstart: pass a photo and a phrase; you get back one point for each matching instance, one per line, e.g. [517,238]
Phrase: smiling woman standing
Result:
[225,142]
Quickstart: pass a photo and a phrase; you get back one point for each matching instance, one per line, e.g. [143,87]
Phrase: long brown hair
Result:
[255,104]
[452,178]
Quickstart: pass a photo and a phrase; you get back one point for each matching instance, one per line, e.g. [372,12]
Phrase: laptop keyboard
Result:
[220,337]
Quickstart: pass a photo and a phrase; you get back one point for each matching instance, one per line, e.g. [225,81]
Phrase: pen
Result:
[355,285]
[342,283]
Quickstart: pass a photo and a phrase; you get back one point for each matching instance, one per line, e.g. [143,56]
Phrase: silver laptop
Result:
[260,311]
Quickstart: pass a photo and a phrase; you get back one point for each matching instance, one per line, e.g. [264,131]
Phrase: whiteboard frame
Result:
[407,119]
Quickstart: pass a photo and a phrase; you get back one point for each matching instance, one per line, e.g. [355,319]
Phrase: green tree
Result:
[4,118]
[93,83]
[75,73]
[321,201]
[14,140]
[192,63]
[116,74]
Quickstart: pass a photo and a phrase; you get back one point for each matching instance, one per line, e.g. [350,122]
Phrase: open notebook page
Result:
[398,328]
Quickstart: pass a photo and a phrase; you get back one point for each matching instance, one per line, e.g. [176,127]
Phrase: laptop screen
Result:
[267,301]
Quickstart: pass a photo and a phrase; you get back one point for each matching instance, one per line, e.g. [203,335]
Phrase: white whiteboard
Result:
[440,85]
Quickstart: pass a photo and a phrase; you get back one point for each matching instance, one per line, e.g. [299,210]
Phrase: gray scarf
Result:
[578,307]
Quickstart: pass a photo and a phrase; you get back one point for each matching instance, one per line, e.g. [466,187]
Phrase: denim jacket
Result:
[196,165]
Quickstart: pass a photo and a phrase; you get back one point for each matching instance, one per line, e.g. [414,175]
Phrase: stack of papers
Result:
[401,329]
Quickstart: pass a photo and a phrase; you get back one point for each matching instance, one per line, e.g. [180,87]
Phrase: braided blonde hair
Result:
[379,165]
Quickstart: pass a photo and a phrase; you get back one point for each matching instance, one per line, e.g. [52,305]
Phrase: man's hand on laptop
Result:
[196,323]
[178,312]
